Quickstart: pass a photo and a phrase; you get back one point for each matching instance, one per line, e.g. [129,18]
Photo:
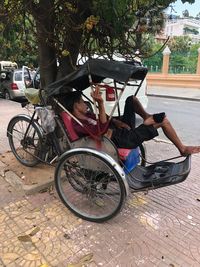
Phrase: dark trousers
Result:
[134,137]
[129,113]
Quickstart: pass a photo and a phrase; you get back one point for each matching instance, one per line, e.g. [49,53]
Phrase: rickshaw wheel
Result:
[26,148]
[89,186]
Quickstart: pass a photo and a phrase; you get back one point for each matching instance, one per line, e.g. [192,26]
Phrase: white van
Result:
[13,83]
[8,66]
[109,93]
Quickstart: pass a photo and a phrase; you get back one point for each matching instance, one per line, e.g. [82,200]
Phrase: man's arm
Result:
[96,95]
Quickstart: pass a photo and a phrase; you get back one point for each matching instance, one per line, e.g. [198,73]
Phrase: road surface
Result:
[183,114]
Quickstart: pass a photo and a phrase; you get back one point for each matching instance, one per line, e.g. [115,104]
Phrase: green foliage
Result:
[154,64]
[59,29]
[188,30]
[117,14]
[180,43]
[182,62]
[188,1]
[186,13]
[194,47]
[124,27]
[17,40]
[198,16]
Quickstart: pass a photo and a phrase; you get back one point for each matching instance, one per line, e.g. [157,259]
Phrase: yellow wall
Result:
[174,80]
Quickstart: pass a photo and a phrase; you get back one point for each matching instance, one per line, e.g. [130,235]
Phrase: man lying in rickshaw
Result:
[123,132]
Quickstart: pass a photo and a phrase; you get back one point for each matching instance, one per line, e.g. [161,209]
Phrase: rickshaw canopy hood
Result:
[99,69]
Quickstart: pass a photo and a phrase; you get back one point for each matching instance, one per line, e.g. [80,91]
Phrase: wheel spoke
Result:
[25,144]
[89,186]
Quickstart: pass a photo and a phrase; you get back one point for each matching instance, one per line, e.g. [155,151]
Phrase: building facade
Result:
[183,26]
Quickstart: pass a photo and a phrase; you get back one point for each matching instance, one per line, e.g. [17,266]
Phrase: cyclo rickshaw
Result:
[92,176]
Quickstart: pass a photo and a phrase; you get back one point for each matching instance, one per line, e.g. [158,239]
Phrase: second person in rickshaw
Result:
[123,132]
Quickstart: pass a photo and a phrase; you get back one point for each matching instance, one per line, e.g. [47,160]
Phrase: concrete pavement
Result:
[192,94]
[160,228]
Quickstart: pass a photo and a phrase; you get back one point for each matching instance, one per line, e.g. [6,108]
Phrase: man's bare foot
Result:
[188,150]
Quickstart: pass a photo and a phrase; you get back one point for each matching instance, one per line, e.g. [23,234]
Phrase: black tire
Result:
[7,95]
[89,186]
[142,152]
[25,148]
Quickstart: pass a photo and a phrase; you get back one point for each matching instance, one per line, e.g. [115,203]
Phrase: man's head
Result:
[73,102]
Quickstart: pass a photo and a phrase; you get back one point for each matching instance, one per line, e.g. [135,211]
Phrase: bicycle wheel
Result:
[89,185]
[25,146]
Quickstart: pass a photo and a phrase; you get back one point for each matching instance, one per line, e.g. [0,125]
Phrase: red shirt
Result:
[90,124]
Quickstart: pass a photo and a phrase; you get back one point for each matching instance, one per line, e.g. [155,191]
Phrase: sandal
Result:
[159,117]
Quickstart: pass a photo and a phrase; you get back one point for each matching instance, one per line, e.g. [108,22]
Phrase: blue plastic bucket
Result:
[132,160]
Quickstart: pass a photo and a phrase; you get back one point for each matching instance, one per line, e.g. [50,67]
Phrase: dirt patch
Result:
[41,173]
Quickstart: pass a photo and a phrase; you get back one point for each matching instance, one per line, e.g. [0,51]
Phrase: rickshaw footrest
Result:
[159,174]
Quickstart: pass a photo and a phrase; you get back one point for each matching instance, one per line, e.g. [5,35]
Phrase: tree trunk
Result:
[45,32]
[72,41]
[72,44]
[44,16]
[138,41]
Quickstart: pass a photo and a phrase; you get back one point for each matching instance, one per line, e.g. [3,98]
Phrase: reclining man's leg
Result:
[172,136]
[132,107]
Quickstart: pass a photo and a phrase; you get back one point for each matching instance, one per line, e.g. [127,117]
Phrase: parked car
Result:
[108,93]
[13,83]
[8,65]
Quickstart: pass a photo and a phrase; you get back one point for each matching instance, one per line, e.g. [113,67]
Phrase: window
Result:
[18,76]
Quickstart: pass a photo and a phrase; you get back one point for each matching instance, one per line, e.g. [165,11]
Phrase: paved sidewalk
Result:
[179,93]
[161,228]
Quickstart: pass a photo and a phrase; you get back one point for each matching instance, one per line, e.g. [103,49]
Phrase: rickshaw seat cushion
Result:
[123,153]
[67,120]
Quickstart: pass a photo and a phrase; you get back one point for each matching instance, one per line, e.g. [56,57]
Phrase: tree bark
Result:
[72,41]
[45,22]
